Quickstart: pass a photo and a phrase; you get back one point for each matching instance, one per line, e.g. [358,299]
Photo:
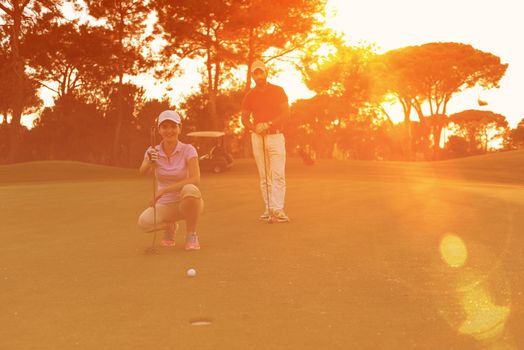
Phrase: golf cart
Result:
[212,151]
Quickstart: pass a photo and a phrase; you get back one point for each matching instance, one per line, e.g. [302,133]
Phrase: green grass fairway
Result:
[361,266]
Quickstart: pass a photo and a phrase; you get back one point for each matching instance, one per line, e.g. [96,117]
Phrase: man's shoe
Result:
[264,216]
[192,242]
[280,216]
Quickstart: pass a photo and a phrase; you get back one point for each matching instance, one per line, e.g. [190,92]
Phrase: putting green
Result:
[379,255]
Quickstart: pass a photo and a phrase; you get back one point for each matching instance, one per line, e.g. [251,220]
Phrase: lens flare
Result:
[479,304]
[453,251]
[485,320]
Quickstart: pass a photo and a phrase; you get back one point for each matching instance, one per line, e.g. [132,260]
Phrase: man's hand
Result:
[261,128]
[152,154]
[248,126]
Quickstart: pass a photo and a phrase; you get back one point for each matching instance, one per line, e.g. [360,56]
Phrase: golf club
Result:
[270,219]
[152,249]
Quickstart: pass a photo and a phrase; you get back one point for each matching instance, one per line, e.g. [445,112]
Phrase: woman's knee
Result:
[145,223]
[190,202]
[191,191]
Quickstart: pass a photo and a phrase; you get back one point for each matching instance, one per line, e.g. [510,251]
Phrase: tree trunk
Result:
[18,84]
[437,133]
[485,139]
[250,59]
[211,92]
[217,124]
[426,130]
[118,127]
[246,137]
[212,99]
[408,136]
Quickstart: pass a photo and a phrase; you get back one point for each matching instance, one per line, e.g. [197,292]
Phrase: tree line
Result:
[99,115]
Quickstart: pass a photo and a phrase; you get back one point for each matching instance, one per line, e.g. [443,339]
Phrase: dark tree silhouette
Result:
[125,20]
[19,15]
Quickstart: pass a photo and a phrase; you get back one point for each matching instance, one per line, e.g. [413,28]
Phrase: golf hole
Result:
[199,322]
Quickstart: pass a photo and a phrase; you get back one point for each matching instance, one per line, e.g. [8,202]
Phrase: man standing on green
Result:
[267,104]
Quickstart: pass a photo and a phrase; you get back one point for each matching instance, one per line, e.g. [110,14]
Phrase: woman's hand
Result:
[152,154]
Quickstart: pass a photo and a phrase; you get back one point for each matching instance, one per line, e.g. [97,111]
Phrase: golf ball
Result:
[191,273]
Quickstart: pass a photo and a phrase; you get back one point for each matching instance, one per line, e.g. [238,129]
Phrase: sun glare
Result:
[483,319]
[395,24]
[453,251]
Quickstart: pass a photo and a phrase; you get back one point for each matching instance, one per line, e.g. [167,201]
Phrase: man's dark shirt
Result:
[265,103]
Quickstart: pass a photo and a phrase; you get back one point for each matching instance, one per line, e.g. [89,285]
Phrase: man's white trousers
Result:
[275,153]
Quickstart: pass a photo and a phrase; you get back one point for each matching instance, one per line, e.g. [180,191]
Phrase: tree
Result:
[274,31]
[5,84]
[127,100]
[126,21]
[71,59]
[197,108]
[365,136]
[310,125]
[346,76]
[76,129]
[194,30]
[432,74]
[227,33]
[72,129]
[31,102]
[348,96]
[479,128]
[146,116]
[18,15]
[516,136]
[457,147]
[322,125]
[140,137]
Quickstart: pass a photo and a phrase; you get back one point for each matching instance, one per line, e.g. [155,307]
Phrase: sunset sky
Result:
[486,25]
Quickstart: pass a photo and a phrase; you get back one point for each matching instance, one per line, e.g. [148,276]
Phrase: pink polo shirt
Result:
[172,169]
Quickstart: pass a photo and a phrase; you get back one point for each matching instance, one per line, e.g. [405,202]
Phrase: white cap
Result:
[169,115]
[258,65]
